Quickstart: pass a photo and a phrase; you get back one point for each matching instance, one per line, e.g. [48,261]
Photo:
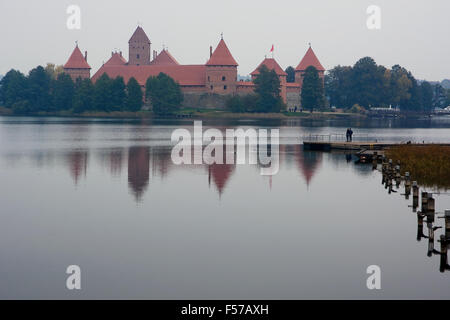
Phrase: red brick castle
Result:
[205,85]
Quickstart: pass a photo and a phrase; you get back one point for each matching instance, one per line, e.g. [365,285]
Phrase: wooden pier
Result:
[353,146]
[359,146]
[359,143]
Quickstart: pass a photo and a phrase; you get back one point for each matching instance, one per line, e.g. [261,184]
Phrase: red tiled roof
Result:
[164,58]
[116,60]
[221,56]
[76,60]
[310,59]
[271,64]
[139,34]
[187,75]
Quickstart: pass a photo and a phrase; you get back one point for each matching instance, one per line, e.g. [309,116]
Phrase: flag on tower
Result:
[271,50]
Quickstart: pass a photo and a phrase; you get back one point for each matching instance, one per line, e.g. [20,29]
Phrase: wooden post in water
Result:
[397,175]
[415,189]
[444,258]
[430,220]
[430,203]
[447,224]
[419,226]
[407,185]
[374,160]
[384,164]
[424,202]
[389,183]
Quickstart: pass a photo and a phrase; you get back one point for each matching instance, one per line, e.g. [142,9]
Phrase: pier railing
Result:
[334,137]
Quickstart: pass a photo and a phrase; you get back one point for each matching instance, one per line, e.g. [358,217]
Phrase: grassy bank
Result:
[194,113]
[97,114]
[211,113]
[429,165]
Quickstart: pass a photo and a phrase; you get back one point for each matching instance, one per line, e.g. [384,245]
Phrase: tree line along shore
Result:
[349,90]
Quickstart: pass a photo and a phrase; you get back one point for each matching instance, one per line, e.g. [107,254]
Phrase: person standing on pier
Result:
[350,134]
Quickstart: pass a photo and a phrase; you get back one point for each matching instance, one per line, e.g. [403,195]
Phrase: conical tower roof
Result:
[310,59]
[221,56]
[164,58]
[76,60]
[116,60]
[139,35]
[271,64]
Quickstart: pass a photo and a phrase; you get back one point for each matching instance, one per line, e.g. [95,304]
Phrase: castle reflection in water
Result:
[144,163]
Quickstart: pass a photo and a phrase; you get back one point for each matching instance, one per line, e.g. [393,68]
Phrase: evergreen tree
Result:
[312,90]
[118,94]
[62,92]
[134,96]
[245,103]
[83,99]
[447,97]
[164,94]
[13,88]
[290,74]
[235,104]
[439,97]
[338,84]
[103,93]
[39,90]
[427,95]
[267,88]
[367,82]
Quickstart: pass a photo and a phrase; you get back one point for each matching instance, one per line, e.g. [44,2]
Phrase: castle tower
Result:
[310,59]
[221,70]
[77,66]
[139,48]
[272,64]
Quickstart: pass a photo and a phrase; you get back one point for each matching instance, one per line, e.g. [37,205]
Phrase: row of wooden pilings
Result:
[391,173]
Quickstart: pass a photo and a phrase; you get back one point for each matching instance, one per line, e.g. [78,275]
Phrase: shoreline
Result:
[209,114]
[187,114]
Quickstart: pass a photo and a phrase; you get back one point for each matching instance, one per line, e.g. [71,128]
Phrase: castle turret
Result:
[139,48]
[77,66]
[221,71]
[272,64]
[310,59]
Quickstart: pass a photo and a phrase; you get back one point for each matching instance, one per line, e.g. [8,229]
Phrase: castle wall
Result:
[78,73]
[293,98]
[204,100]
[244,90]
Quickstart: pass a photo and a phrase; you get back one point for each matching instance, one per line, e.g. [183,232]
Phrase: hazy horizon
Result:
[413,34]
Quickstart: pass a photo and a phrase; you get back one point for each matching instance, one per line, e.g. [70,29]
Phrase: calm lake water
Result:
[104,194]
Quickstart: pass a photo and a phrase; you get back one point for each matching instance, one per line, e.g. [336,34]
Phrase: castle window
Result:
[224,87]
[209,79]
[223,78]
[137,56]
[212,87]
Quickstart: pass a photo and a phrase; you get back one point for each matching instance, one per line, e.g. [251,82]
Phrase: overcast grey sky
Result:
[414,34]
